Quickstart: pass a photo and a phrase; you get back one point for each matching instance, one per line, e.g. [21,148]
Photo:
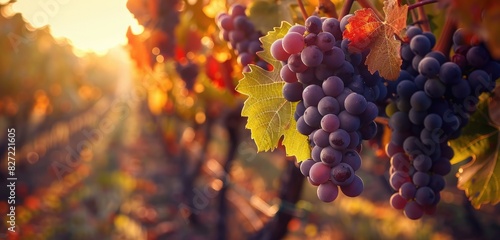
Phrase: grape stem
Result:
[412,12]
[422,17]
[382,120]
[445,41]
[346,8]
[421,3]
[302,9]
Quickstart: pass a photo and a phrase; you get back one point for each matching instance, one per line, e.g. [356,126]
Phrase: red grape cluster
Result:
[241,35]
[432,101]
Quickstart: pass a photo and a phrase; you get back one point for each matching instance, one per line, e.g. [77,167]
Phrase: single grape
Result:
[422,163]
[320,138]
[333,86]
[312,117]
[355,103]
[313,24]
[298,29]
[354,189]
[434,88]
[420,101]
[352,158]
[305,166]
[478,56]
[331,156]
[287,75]
[398,202]
[328,105]
[293,91]
[325,41]
[293,42]
[311,56]
[327,192]
[330,123]
[450,73]
[339,139]
[303,127]
[312,94]
[429,67]
[413,210]
[408,190]
[319,173]
[342,174]
[421,179]
[349,122]
[420,45]
[425,196]
[332,25]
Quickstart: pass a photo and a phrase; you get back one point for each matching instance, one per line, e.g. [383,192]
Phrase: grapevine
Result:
[331,71]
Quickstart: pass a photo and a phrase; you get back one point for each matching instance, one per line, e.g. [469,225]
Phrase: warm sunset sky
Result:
[95,25]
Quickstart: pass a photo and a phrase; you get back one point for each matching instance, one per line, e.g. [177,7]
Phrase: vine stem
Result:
[412,12]
[421,3]
[382,120]
[422,17]
[445,41]
[346,8]
[302,9]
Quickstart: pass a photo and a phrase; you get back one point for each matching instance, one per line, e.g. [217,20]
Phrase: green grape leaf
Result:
[270,115]
[480,139]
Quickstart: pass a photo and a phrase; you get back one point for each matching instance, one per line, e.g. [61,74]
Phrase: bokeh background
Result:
[117,138]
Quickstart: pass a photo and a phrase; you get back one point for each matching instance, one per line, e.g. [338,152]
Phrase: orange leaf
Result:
[366,31]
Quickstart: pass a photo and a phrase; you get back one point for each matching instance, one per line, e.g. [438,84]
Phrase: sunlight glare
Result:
[92,25]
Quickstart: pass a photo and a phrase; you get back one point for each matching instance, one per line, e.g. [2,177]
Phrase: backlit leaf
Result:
[480,139]
[366,31]
[270,115]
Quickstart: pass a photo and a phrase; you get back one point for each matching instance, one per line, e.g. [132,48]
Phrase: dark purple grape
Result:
[354,189]
[339,139]
[352,158]
[312,117]
[293,91]
[420,45]
[331,156]
[312,94]
[313,24]
[333,86]
[413,210]
[328,105]
[408,190]
[311,56]
[425,196]
[305,166]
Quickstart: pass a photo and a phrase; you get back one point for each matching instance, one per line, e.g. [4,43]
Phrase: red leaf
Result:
[366,31]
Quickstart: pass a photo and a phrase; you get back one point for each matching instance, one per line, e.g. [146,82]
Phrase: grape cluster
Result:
[188,72]
[433,100]
[240,34]
[335,95]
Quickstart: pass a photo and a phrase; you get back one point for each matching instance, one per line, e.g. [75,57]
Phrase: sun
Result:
[91,25]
